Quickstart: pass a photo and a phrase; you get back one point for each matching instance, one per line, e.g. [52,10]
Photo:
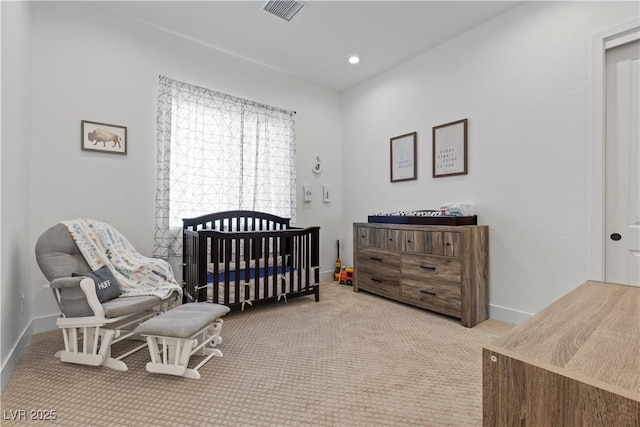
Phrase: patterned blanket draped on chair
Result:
[101,244]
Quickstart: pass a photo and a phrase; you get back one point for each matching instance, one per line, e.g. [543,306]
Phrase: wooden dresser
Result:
[575,363]
[440,268]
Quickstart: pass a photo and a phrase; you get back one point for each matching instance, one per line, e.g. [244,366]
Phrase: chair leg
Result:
[211,336]
[171,355]
[173,358]
[95,350]
[115,364]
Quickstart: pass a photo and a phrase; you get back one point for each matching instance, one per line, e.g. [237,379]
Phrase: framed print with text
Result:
[403,157]
[450,149]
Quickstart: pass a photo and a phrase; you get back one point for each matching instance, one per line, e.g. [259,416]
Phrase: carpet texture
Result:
[352,359]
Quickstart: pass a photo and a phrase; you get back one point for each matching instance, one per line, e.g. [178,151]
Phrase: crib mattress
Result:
[243,274]
[251,286]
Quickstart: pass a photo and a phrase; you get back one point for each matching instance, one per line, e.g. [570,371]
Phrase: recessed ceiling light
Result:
[354,59]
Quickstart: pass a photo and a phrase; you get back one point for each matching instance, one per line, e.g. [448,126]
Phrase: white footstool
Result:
[181,332]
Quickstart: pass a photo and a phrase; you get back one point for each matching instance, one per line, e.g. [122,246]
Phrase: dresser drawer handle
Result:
[427,292]
[376,258]
[428,267]
[376,280]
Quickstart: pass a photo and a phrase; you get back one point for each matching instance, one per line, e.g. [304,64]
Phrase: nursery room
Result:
[470,168]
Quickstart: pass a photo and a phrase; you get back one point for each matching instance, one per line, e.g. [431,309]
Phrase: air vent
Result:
[283,9]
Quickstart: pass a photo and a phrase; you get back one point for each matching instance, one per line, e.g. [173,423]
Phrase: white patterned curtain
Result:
[217,152]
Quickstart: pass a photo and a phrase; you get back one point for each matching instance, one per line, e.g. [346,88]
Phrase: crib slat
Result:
[227,273]
[201,267]
[307,260]
[215,255]
[246,251]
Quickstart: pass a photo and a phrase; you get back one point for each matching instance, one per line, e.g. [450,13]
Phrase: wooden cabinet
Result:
[575,363]
[439,268]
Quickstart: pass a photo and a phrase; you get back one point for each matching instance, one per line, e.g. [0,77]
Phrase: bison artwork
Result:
[104,136]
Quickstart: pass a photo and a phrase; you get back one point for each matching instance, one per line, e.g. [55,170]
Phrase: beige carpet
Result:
[348,360]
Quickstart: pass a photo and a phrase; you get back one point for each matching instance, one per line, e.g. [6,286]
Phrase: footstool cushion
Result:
[183,321]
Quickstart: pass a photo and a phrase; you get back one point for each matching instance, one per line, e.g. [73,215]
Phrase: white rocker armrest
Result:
[88,286]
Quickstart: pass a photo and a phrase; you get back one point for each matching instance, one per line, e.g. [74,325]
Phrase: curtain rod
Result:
[233,96]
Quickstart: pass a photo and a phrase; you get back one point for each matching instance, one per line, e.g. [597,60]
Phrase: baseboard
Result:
[326,275]
[15,355]
[37,325]
[508,315]
[45,323]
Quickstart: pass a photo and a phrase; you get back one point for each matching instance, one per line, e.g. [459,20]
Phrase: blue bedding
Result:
[252,274]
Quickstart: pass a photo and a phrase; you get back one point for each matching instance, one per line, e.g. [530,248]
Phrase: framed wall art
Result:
[103,137]
[450,149]
[403,157]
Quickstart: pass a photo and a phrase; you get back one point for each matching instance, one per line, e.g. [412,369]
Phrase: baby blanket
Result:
[101,244]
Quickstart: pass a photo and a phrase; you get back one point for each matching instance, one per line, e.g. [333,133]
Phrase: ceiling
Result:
[317,42]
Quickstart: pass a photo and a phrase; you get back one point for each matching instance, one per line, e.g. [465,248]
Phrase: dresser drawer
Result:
[445,243]
[378,271]
[441,297]
[365,236]
[375,259]
[432,267]
[377,283]
[381,238]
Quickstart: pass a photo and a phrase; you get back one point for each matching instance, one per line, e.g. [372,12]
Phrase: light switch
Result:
[325,193]
[308,193]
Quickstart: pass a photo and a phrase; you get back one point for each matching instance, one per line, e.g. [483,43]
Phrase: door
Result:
[622,163]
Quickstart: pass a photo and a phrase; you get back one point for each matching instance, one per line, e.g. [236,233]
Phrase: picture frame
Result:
[403,157]
[103,137]
[450,149]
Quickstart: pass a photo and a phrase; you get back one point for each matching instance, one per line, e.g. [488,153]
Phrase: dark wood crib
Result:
[239,258]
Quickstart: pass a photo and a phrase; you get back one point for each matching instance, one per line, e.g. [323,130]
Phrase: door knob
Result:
[616,237]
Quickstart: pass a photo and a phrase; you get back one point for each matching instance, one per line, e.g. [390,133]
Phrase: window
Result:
[217,152]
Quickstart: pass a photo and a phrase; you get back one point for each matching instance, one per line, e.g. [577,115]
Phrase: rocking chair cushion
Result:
[107,287]
[129,305]
[57,254]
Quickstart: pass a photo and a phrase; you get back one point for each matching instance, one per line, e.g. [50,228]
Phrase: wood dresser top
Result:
[417,227]
[591,334]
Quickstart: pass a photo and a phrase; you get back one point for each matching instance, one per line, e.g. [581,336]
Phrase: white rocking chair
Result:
[90,328]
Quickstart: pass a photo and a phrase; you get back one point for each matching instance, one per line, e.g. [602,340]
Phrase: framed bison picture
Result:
[104,137]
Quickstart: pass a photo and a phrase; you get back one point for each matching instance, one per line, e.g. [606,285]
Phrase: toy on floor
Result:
[346,276]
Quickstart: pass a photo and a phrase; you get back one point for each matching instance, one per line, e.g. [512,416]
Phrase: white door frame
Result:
[601,41]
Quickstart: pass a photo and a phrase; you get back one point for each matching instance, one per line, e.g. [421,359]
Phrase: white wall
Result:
[94,65]
[523,81]
[16,250]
